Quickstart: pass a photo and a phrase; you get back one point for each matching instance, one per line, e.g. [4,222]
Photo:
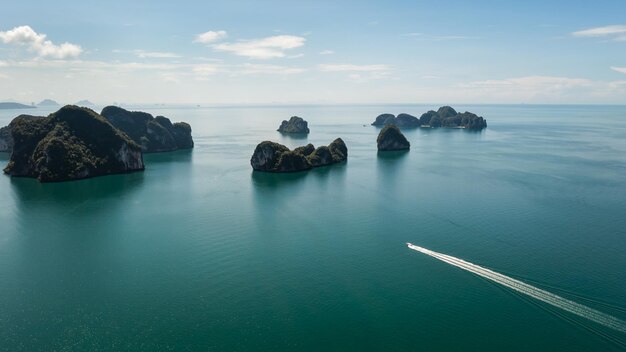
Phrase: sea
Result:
[201,253]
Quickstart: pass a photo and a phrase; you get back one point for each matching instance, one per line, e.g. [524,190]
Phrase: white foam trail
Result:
[532,291]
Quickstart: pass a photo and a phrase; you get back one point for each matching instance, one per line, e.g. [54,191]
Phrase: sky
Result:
[313,52]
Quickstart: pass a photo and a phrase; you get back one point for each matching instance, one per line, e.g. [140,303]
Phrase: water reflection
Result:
[278,196]
[28,193]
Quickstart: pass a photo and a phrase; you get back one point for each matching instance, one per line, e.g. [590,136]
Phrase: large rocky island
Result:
[153,134]
[72,143]
[294,125]
[274,157]
[445,116]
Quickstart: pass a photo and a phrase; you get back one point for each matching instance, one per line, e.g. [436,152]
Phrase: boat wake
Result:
[529,290]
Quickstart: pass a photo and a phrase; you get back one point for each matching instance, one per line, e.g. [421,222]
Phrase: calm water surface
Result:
[200,253]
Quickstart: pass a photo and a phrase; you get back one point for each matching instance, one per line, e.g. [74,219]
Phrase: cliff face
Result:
[153,134]
[294,125]
[70,144]
[6,141]
[273,157]
[390,138]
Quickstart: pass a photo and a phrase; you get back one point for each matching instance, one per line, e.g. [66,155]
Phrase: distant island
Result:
[85,103]
[48,103]
[10,105]
[445,117]
[153,134]
[294,125]
[274,157]
[63,146]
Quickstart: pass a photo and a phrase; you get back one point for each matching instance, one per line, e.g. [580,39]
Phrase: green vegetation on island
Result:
[390,138]
[274,157]
[153,134]
[446,117]
[72,143]
[294,125]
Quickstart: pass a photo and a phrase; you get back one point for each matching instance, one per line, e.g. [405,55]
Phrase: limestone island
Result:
[152,134]
[6,141]
[445,117]
[294,125]
[70,144]
[390,138]
[402,120]
[274,157]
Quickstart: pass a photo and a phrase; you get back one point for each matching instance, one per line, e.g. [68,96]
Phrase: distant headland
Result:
[10,105]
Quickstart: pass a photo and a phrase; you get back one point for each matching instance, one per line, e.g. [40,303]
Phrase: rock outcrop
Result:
[444,117]
[384,119]
[153,134]
[390,138]
[273,157]
[6,141]
[448,117]
[72,143]
[402,120]
[294,125]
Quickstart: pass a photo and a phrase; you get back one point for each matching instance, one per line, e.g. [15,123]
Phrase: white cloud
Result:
[210,36]
[532,82]
[3,64]
[26,36]
[437,38]
[205,69]
[352,68]
[618,69]
[614,32]
[155,54]
[326,52]
[265,48]
[268,69]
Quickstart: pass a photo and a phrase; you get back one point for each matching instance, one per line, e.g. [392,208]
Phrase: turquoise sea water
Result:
[200,253]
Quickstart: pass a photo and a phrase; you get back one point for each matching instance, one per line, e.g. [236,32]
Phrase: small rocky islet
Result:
[295,124]
[76,142]
[445,117]
[274,157]
[390,139]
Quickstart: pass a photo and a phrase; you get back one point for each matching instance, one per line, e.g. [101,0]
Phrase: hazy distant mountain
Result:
[48,102]
[85,103]
[15,106]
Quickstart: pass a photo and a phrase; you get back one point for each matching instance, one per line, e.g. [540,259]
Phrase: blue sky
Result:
[253,52]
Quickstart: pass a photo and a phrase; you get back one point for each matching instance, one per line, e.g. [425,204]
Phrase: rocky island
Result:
[294,125]
[274,157]
[63,146]
[445,117]
[153,134]
[390,138]
[6,141]
[402,120]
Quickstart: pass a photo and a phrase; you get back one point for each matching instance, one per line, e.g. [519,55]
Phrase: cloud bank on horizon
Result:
[291,57]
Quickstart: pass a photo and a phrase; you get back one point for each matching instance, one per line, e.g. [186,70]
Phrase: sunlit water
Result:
[200,253]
